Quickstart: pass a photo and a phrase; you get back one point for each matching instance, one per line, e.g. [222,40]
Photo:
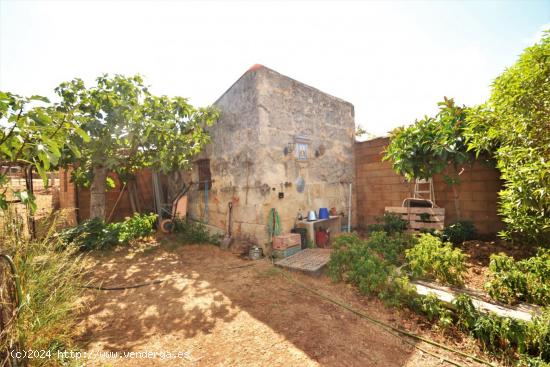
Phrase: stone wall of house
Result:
[262,113]
[379,186]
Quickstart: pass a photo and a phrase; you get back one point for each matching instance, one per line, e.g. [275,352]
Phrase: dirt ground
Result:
[217,309]
[479,253]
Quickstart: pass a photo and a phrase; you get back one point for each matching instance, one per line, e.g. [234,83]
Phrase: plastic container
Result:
[323,213]
[322,239]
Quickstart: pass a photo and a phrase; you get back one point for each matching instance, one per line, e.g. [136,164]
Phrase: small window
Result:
[204,174]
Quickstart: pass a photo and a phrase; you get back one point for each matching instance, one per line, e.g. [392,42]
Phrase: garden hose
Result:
[273,223]
[153,282]
[386,326]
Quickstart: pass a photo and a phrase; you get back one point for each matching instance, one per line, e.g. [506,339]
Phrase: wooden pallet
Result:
[310,261]
[435,220]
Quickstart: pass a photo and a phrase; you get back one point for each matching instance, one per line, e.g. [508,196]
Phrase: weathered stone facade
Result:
[265,116]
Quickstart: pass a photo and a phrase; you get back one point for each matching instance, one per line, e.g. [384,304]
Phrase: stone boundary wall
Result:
[378,186]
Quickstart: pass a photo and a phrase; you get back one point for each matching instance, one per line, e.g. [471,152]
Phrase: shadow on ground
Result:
[223,310]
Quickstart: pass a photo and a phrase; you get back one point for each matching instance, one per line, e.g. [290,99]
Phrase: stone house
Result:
[279,144]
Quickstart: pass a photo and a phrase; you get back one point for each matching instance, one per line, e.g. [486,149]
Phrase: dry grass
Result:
[50,282]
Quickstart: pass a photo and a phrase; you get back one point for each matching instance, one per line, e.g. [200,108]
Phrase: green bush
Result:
[513,127]
[526,280]
[433,309]
[458,232]
[502,334]
[137,226]
[390,223]
[538,336]
[433,259]
[194,232]
[390,247]
[355,261]
[95,234]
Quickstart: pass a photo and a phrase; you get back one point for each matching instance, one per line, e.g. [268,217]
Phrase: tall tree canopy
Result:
[514,126]
[130,129]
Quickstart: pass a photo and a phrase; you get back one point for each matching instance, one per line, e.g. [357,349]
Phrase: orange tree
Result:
[514,127]
[432,145]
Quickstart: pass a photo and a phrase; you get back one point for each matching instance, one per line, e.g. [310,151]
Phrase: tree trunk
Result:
[97,192]
[456,200]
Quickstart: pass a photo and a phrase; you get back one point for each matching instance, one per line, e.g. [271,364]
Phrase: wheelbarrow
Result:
[177,211]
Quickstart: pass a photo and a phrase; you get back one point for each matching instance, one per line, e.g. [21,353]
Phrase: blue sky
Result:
[393,60]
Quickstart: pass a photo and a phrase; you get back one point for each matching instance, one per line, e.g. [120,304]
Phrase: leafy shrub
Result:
[95,234]
[194,232]
[390,223]
[137,226]
[500,333]
[390,248]
[458,232]
[433,308]
[538,336]
[433,259]
[90,234]
[466,313]
[50,282]
[513,127]
[503,334]
[355,261]
[526,280]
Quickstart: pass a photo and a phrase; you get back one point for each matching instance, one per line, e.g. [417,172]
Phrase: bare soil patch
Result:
[479,253]
[220,311]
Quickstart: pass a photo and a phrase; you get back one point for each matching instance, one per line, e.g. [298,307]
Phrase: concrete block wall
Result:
[379,186]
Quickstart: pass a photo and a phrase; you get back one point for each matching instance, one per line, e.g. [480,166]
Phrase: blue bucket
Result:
[323,213]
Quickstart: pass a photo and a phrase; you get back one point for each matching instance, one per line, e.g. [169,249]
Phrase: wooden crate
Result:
[287,240]
[413,216]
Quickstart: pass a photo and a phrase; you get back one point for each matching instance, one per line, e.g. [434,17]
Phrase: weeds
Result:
[194,232]
[50,282]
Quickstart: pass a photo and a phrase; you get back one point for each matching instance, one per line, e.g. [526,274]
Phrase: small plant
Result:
[390,223]
[194,232]
[456,233]
[538,336]
[466,313]
[433,308]
[356,261]
[390,248]
[526,280]
[424,217]
[433,259]
[138,226]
